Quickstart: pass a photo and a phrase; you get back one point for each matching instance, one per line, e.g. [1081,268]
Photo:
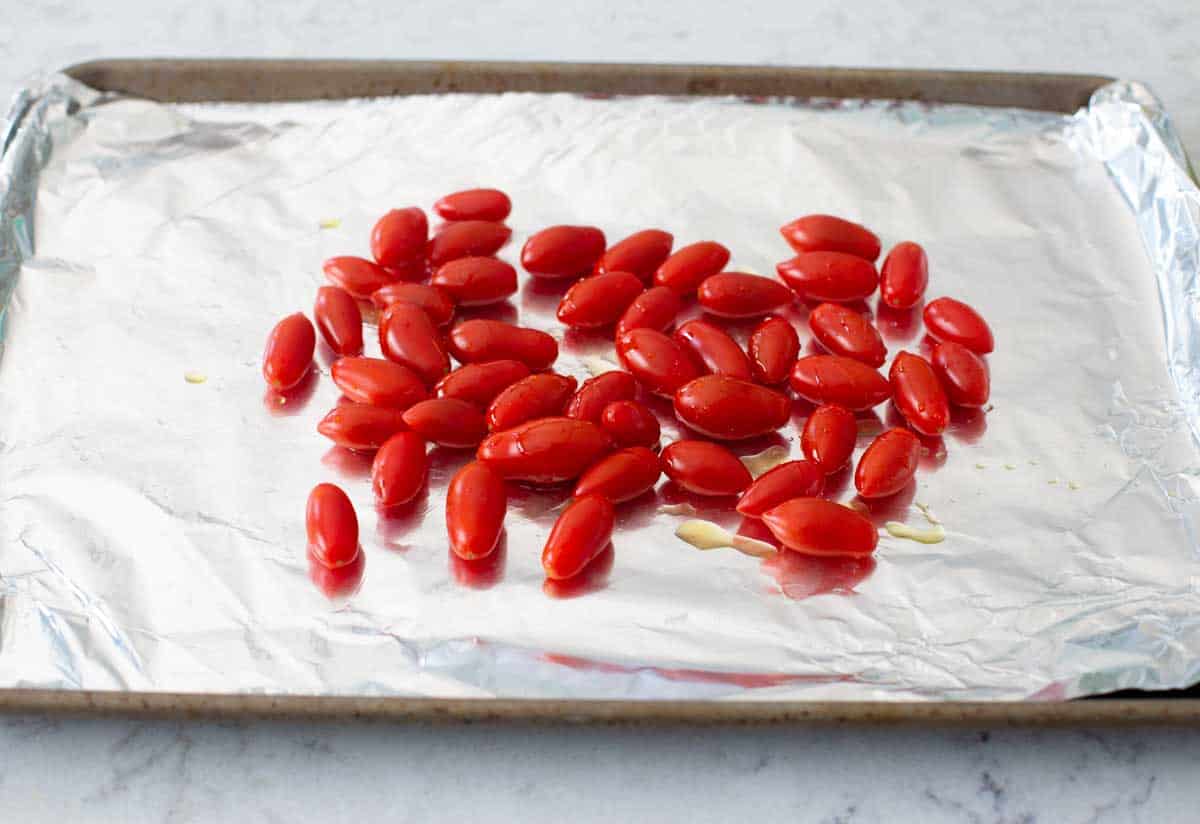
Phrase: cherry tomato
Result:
[712,349]
[963,374]
[640,253]
[475,505]
[339,320]
[687,268]
[826,233]
[545,451]
[332,526]
[738,295]
[832,276]
[408,336]
[629,423]
[467,238]
[655,309]
[476,281]
[432,300]
[358,276]
[814,526]
[659,363]
[888,464]
[918,394]
[474,204]
[480,383]
[289,352]
[847,333]
[596,393]
[581,533]
[538,396]
[361,426]
[378,382]
[562,251]
[599,300]
[731,409]
[399,237]
[705,468]
[838,380]
[447,422]
[480,340]
[794,479]
[773,347]
[904,276]
[829,436]
[622,476]
[952,320]
[399,470]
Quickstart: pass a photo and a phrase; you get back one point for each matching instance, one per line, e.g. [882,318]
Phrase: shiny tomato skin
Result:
[794,479]
[953,320]
[963,374]
[705,468]
[433,301]
[641,254]
[622,476]
[599,300]
[731,409]
[378,382]
[476,502]
[773,348]
[655,309]
[480,339]
[480,383]
[467,238]
[562,251]
[658,362]
[447,422]
[687,268]
[339,320]
[358,276]
[476,281]
[918,394]
[847,333]
[712,349]
[739,295]
[545,451]
[829,276]
[904,276]
[888,464]
[837,380]
[538,396]
[331,525]
[829,437]
[474,204]
[581,533]
[407,336]
[360,426]
[289,352]
[826,233]
[399,469]
[596,393]
[814,526]
[399,237]
[630,423]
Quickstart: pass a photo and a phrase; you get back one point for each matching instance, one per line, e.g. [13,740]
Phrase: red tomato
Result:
[838,380]
[361,426]
[378,382]
[474,204]
[480,340]
[712,349]
[562,251]
[794,479]
[581,533]
[399,470]
[826,233]
[904,276]
[659,363]
[599,300]
[447,422]
[622,476]
[598,392]
[480,383]
[640,253]
[545,451]
[399,237]
[467,238]
[289,352]
[629,423]
[814,526]
[538,396]
[475,505]
[738,295]
[952,320]
[433,301]
[731,409]
[888,464]
[358,276]
[963,374]
[918,394]
[705,468]
[408,336]
[829,436]
[655,309]
[832,276]
[847,333]
[476,281]
[773,347]
[332,526]
[684,271]
[339,320]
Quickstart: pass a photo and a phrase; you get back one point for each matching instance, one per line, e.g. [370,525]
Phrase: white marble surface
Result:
[120,770]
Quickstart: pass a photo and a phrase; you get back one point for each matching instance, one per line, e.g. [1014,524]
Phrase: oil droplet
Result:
[933,535]
[980,466]
[705,535]
[678,509]
[329,222]
[193,376]
[1010,467]
[1052,482]
[927,512]
[598,366]
[766,460]
[1072,485]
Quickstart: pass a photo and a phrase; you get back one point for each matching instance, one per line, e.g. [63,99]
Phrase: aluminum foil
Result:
[151,496]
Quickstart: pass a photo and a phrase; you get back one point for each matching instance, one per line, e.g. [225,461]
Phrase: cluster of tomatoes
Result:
[531,425]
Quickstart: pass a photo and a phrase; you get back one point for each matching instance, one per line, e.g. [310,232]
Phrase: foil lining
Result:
[151,496]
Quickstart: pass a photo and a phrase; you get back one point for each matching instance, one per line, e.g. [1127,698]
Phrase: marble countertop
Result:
[115,770]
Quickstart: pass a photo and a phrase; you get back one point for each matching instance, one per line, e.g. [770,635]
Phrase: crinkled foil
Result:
[152,498]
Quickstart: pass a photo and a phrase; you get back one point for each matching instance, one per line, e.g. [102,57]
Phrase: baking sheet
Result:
[152,537]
